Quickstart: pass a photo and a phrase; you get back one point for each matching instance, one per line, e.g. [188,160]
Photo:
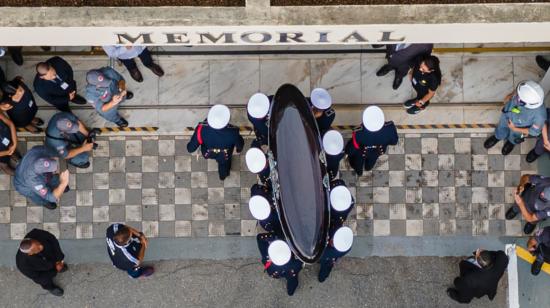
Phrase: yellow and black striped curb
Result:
[113,129]
[403,126]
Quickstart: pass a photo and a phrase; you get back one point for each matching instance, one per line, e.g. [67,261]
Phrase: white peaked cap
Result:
[279,252]
[258,105]
[340,198]
[259,207]
[333,142]
[531,93]
[343,239]
[373,118]
[320,98]
[255,160]
[218,116]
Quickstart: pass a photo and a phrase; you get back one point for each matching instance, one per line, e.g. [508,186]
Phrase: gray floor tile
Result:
[167,228]
[166,196]
[183,212]
[117,148]
[117,180]
[381,211]
[430,162]
[84,181]
[133,164]
[133,196]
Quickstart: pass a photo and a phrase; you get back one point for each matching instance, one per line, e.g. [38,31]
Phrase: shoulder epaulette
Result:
[329,112]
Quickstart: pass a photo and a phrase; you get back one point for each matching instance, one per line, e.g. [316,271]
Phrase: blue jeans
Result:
[502,131]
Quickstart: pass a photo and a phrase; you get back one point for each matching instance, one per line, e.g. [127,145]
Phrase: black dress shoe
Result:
[536,267]
[157,70]
[531,156]
[129,95]
[83,166]
[384,70]
[50,205]
[507,148]
[57,291]
[529,228]
[136,75]
[16,55]
[542,62]
[511,213]
[490,142]
[64,269]
[397,82]
[122,123]
[46,48]
[79,100]
[452,293]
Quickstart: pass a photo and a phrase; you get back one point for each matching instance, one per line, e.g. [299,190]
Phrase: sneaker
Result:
[57,291]
[397,82]
[384,70]
[50,205]
[415,109]
[452,293]
[147,271]
[490,142]
[529,228]
[122,123]
[511,213]
[136,75]
[157,70]
[507,148]
[531,156]
[536,267]
[411,102]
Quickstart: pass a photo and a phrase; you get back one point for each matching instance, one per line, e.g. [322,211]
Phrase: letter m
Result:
[124,38]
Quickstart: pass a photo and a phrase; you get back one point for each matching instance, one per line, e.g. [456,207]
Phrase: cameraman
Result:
[70,139]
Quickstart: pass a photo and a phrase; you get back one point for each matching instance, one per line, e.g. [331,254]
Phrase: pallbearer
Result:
[338,246]
[256,161]
[262,209]
[322,110]
[257,112]
[341,203]
[370,140]
[217,139]
[333,144]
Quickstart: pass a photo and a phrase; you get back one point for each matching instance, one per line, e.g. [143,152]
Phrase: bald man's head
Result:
[30,246]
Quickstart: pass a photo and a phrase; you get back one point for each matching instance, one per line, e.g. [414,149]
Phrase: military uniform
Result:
[542,250]
[365,146]
[325,120]
[337,218]
[272,223]
[531,197]
[329,258]
[333,164]
[36,186]
[217,144]
[62,142]
[288,271]
[99,96]
[261,130]
[521,117]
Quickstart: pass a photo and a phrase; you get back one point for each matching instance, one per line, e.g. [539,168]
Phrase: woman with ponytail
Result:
[425,77]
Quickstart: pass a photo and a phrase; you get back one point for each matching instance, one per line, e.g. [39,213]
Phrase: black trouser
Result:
[325,269]
[145,57]
[358,161]
[46,280]
[224,167]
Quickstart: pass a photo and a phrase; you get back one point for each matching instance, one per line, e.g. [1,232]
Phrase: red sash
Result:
[355,144]
[199,131]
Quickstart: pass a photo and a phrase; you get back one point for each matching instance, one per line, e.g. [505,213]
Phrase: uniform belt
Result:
[219,150]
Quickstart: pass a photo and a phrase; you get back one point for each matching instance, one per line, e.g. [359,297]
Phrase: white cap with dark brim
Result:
[255,160]
[340,198]
[259,207]
[373,118]
[279,252]
[258,106]
[343,239]
[333,142]
[218,116]
[320,98]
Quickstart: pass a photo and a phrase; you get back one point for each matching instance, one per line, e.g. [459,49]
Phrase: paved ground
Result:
[428,184]
[371,282]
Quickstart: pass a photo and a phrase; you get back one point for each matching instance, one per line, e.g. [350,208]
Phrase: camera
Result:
[94,132]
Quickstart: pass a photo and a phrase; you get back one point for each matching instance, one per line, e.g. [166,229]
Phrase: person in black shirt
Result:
[40,258]
[8,145]
[425,78]
[479,276]
[54,82]
[20,105]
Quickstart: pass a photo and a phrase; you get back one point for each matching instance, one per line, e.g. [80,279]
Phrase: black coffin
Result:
[300,182]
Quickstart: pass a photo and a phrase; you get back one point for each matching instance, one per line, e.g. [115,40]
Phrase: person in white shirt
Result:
[126,55]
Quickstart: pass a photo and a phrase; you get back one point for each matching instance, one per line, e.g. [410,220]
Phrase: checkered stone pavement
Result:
[429,184]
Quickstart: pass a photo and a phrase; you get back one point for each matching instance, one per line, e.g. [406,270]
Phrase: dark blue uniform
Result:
[217,144]
[38,187]
[56,92]
[5,141]
[261,129]
[325,120]
[289,271]
[333,164]
[329,258]
[272,223]
[62,142]
[365,146]
[337,218]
